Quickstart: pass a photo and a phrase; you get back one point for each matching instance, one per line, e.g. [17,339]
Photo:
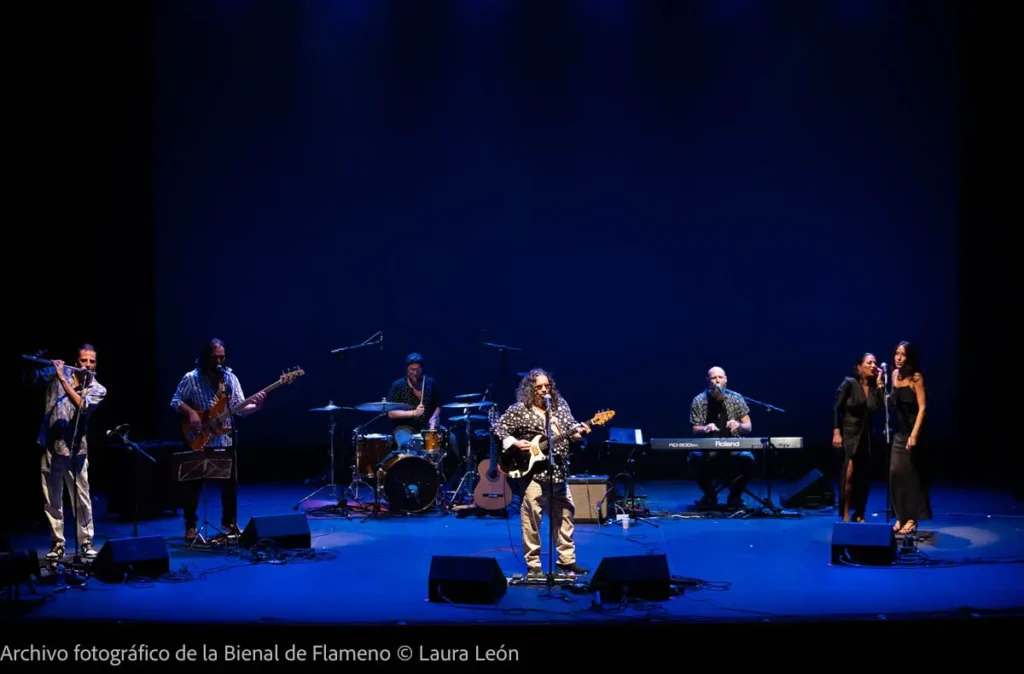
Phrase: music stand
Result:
[215,464]
[634,439]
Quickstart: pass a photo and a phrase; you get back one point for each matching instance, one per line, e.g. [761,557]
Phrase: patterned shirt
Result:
[401,392]
[520,422]
[196,391]
[59,417]
[735,408]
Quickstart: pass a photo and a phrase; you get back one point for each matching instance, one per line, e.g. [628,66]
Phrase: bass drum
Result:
[411,482]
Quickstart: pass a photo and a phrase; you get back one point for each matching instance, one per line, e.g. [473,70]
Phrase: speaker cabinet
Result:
[636,577]
[287,531]
[145,556]
[466,580]
[810,491]
[588,494]
[863,543]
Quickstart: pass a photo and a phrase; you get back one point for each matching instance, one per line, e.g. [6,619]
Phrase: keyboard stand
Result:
[766,502]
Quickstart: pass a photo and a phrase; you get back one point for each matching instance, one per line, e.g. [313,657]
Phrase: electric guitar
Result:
[516,462]
[211,421]
[492,491]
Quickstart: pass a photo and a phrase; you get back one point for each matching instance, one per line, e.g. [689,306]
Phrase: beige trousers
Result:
[563,510]
[57,473]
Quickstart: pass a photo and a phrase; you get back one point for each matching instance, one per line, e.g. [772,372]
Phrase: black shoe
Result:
[56,552]
[573,568]
[708,501]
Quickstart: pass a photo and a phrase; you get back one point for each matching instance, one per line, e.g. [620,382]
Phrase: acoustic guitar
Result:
[211,421]
[492,490]
[516,462]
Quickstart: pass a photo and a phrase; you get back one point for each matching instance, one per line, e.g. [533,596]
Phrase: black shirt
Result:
[718,416]
[401,392]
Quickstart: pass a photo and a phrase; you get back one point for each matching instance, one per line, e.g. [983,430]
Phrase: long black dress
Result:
[909,497]
[853,415]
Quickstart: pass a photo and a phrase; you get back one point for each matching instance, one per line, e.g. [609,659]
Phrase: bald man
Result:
[718,412]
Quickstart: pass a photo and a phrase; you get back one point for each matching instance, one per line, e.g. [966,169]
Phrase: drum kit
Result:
[409,479]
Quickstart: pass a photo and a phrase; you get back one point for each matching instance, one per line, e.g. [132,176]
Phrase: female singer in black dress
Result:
[857,400]
[909,497]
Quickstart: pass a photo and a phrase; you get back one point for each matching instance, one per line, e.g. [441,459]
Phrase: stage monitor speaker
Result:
[810,491]
[588,495]
[466,580]
[863,543]
[144,556]
[287,531]
[636,577]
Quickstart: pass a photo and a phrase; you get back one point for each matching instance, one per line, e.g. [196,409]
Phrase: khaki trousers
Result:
[57,473]
[563,510]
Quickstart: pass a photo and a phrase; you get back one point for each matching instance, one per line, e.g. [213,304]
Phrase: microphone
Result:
[547,400]
[119,430]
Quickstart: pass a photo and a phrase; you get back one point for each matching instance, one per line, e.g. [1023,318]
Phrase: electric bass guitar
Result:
[211,421]
[516,462]
[492,490]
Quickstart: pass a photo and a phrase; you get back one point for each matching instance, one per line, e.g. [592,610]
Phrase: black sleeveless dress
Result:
[909,496]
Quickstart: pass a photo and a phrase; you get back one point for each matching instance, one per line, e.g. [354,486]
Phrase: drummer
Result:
[420,393]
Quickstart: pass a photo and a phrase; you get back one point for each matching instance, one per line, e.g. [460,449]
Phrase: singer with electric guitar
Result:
[518,429]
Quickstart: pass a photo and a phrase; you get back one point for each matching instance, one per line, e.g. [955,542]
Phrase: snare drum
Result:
[411,482]
[370,451]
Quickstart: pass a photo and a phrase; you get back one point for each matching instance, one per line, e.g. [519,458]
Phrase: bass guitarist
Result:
[524,420]
[199,391]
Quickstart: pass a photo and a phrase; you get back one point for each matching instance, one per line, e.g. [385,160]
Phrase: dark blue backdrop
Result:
[630,192]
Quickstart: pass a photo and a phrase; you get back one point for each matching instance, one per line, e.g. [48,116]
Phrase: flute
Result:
[43,361]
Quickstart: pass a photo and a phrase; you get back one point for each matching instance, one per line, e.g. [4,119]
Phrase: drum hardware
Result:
[330,408]
[382,408]
[469,477]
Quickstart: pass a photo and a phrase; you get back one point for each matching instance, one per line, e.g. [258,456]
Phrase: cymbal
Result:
[383,407]
[330,407]
[459,406]
[471,417]
[467,396]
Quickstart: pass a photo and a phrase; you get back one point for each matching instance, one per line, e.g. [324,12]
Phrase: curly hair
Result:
[525,393]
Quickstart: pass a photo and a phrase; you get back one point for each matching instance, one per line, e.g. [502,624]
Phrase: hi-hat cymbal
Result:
[383,407]
[459,406]
[471,417]
[330,407]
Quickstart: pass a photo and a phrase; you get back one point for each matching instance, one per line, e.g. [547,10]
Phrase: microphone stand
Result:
[77,559]
[889,508]
[766,456]
[123,436]
[551,493]
[503,352]
[357,480]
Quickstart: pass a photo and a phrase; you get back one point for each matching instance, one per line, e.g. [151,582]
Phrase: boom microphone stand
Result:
[86,382]
[503,353]
[121,432]
[356,479]
[765,455]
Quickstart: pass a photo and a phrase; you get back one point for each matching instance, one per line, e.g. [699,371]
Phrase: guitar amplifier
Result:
[588,494]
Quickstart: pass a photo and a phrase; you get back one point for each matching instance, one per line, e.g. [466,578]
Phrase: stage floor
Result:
[376,571]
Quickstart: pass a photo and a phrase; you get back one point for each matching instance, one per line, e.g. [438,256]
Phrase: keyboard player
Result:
[718,412]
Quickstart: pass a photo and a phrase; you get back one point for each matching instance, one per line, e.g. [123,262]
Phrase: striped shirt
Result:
[59,417]
[196,391]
